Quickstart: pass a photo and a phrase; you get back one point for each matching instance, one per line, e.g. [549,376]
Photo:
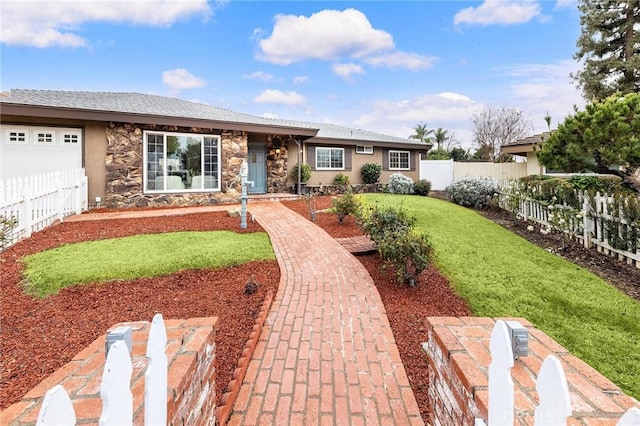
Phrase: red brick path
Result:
[326,354]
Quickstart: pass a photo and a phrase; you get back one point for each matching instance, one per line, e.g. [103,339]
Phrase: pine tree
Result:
[609,43]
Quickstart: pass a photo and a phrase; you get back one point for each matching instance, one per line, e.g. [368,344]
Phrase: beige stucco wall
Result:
[533,165]
[325,177]
[95,150]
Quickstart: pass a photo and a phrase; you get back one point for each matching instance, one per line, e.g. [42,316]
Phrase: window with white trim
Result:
[364,149]
[181,162]
[329,158]
[45,137]
[399,160]
[17,136]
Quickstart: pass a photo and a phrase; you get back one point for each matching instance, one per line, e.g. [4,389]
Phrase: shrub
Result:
[391,228]
[305,172]
[422,187]
[6,227]
[602,184]
[472,192]
[371,173]
[341,179]
[386,222]
[400,184]
[409,255]
[345,205]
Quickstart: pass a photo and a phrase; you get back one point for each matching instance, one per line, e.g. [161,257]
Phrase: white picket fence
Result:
[36,202]
[591,229]
[551,385]
[115,391]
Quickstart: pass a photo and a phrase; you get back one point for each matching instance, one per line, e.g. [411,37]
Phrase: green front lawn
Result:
[141,256]
[502,274]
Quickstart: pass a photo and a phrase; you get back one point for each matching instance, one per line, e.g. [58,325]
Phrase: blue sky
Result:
[383,66]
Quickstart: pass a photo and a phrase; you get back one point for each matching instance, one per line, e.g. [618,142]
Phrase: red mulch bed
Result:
[38,336]
[407,307]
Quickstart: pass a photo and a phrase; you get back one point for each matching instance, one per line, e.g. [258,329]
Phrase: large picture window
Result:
[399,160]
[330,158]
[177,162]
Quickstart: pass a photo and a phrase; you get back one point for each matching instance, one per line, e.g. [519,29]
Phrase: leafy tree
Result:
[458,154]
[493,127]
[422,133]
[482,153]
[547,119]
[603,137]
[438,154]
[609,44]
[440,135]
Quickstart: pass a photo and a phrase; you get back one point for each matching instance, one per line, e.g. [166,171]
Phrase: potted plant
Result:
[304,176]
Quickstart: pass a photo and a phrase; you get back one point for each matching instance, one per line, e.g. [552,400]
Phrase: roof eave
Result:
[40,111]
[338,141]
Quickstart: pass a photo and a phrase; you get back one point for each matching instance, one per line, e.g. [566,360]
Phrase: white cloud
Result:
[541,88]
[43,24]
[566,3]
[300,79]
[448,110]
[346,71]
[499,12]
[325,35]
[180,78]
[258,75]
[271,96]
[398,59]
[269,115]
[442,108]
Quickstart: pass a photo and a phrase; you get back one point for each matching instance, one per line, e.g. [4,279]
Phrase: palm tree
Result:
[422,133]
[440,135]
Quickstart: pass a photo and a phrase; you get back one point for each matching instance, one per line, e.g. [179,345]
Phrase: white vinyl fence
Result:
[115,391]
[442,173]
[36,202]
[595,227]
[551,384]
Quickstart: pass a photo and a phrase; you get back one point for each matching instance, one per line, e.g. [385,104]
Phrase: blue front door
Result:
[257,162]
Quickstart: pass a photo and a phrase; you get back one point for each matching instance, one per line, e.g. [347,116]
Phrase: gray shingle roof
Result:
[136,103]
[530,140]
[162,106]
[333,131]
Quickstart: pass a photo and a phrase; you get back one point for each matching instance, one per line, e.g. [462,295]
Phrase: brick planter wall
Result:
[459,357]
[191,386]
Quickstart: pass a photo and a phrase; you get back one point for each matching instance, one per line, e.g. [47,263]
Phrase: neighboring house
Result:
[526,148]
[147,150]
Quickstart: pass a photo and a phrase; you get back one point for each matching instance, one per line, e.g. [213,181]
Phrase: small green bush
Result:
[7,224]
[400,184]
[371,173]
[602,184]
[391,228]
[305,172]
[341,179]
[409,255]
[345,205]
[386,222]
[422,187]
[472,192]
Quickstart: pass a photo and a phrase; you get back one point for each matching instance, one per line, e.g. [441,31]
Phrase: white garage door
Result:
[30,150]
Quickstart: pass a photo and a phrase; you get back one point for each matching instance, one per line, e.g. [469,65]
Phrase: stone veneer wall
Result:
[125,169]
[191,398]
[277,170]
[458,361]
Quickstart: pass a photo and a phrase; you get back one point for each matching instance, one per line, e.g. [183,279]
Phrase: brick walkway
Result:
[327,354]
